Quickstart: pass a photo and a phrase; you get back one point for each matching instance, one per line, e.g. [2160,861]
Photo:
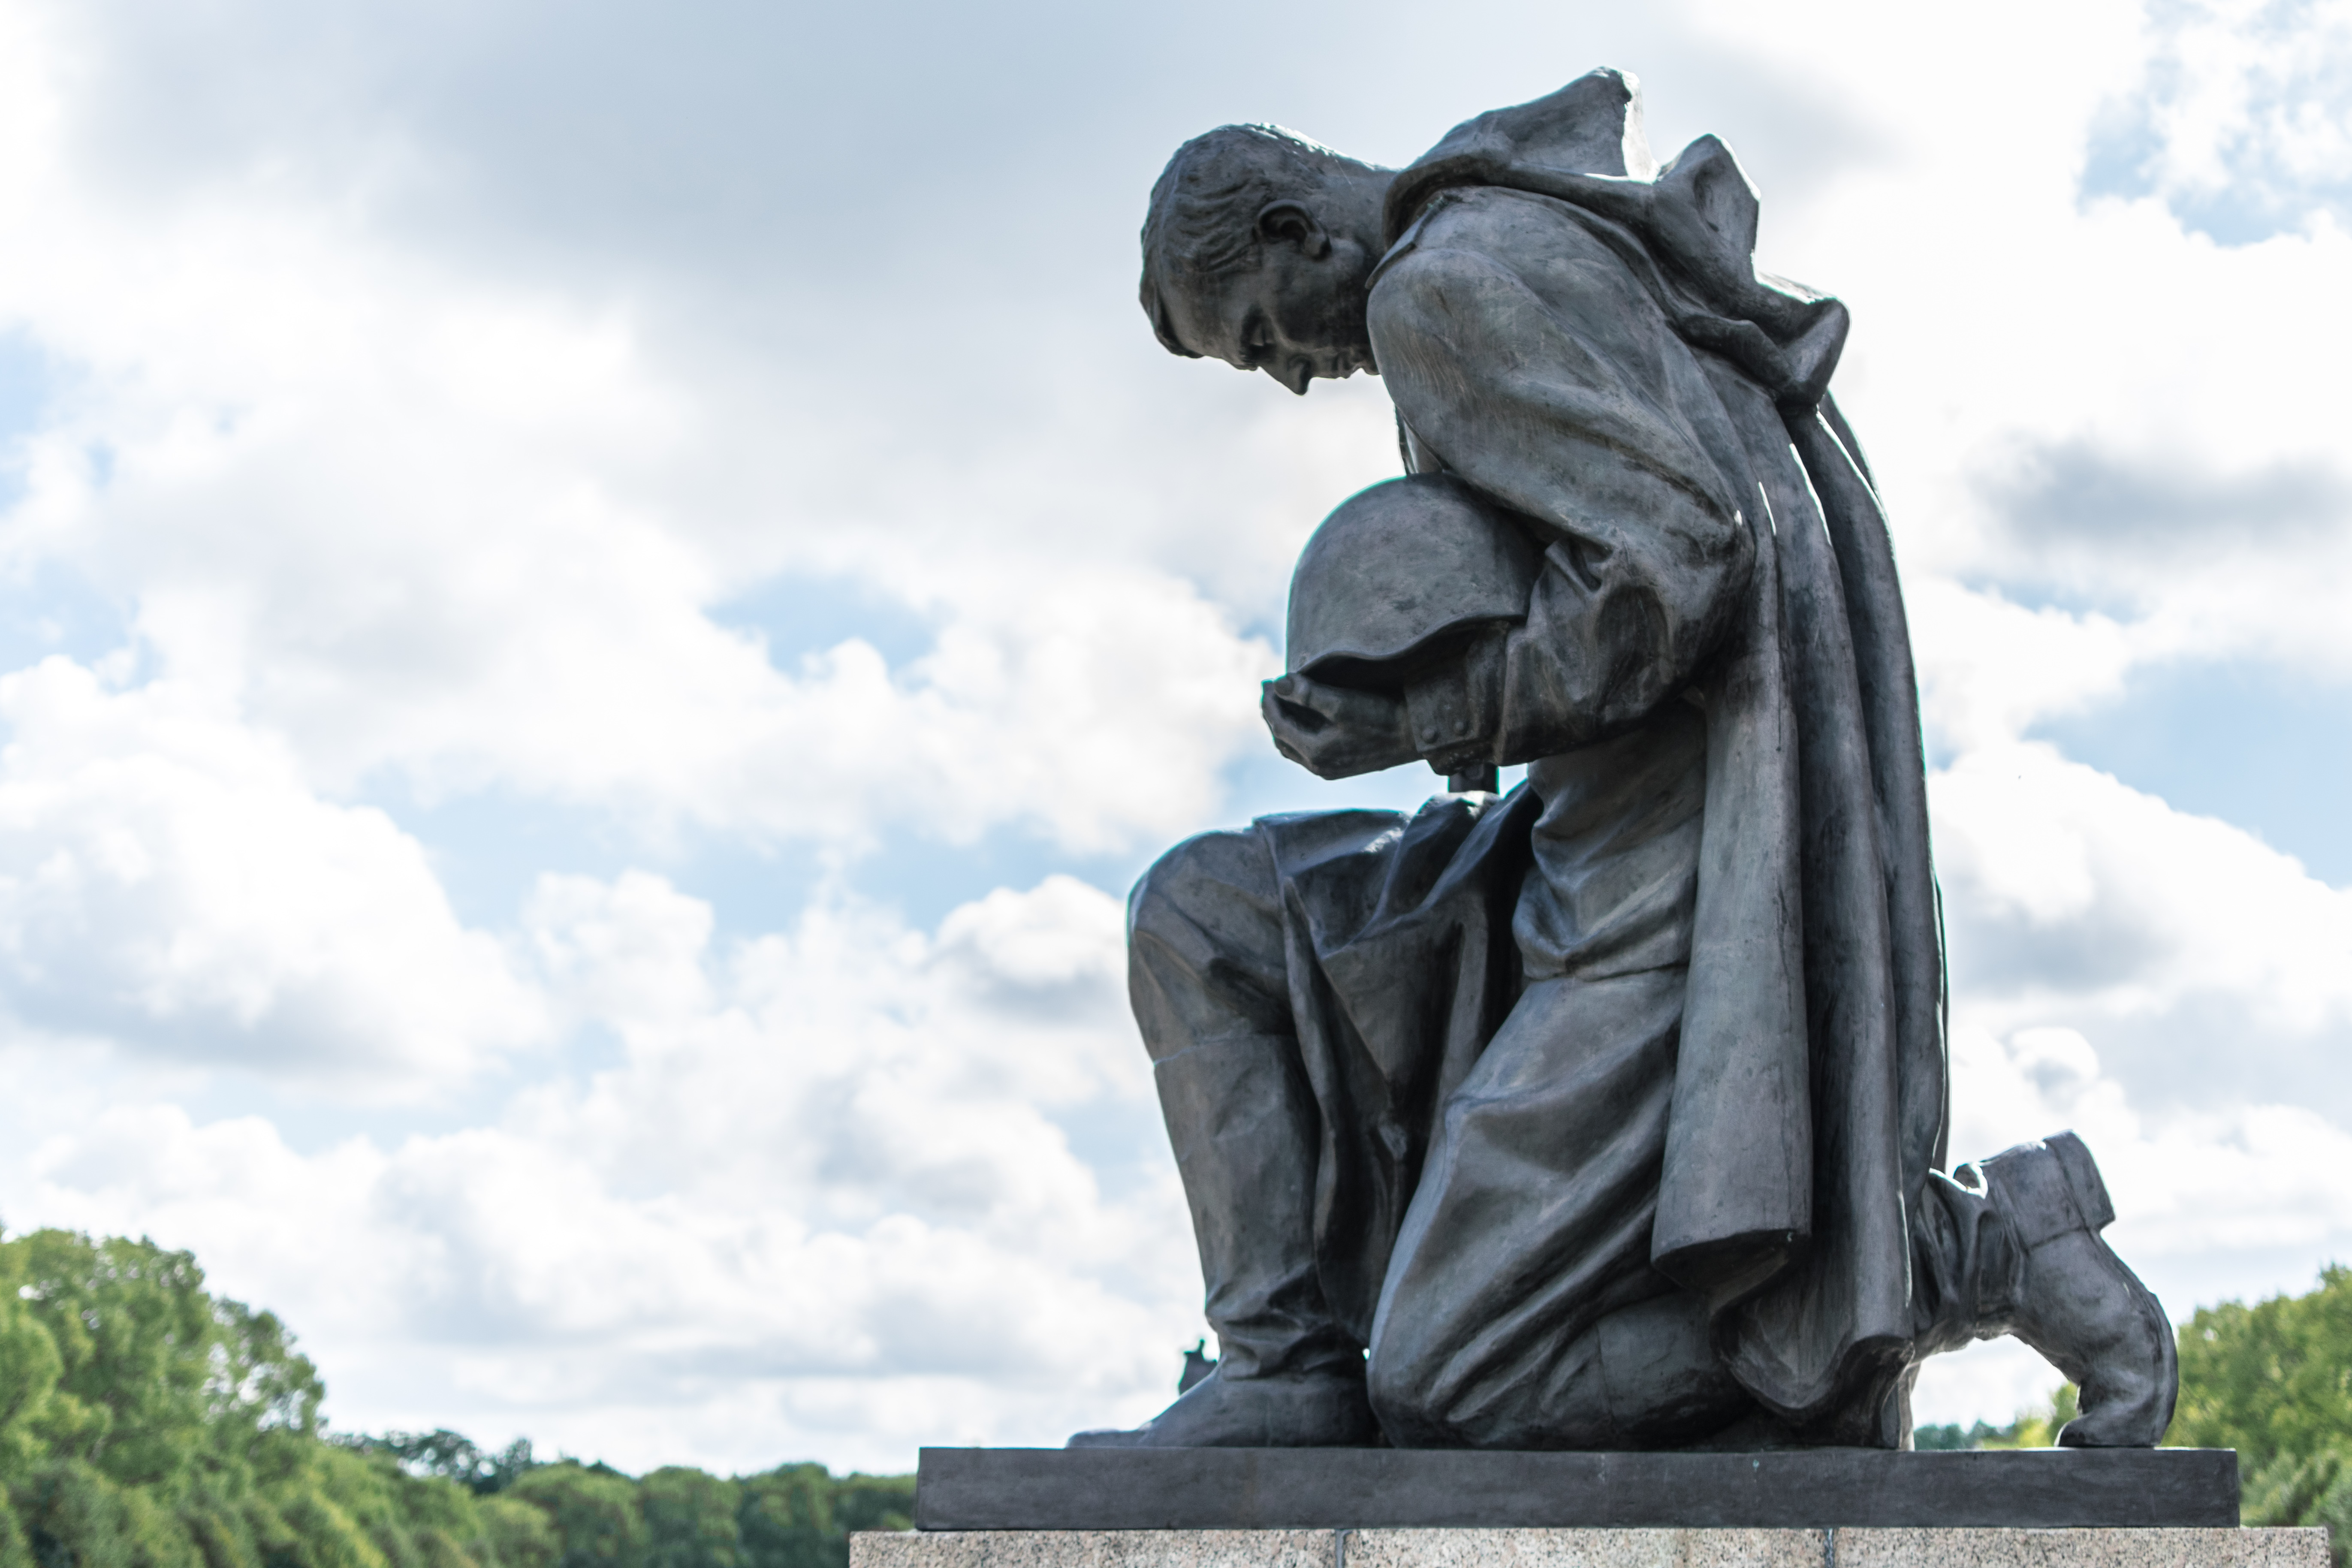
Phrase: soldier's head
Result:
[1257,251]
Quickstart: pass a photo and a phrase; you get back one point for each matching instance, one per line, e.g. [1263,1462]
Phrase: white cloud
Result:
[2226,1189]
[414,521]
[2243,119]
[1989,668]
[2003,318]
[2072,889]
[167,880]
[831,1180]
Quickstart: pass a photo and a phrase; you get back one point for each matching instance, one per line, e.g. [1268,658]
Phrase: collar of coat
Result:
[1693,222]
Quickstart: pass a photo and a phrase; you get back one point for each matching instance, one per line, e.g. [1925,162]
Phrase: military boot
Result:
[2073,1299]
[1242,1123]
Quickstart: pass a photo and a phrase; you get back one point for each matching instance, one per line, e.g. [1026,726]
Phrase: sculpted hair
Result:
[1203,222]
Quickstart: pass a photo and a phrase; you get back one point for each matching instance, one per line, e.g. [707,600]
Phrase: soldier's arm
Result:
[1575,428]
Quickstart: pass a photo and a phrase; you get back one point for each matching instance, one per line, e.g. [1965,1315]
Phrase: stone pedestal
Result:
[1850,1548]
[1386,1507]
[1374,1489]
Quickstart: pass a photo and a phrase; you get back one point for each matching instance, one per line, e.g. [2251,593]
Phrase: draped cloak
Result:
[1809,1100]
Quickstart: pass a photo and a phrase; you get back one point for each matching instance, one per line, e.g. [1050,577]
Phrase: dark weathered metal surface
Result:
[1253,1489]
[1610,1114]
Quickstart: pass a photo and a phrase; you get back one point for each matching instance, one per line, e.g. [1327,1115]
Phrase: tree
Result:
[787,1520]
[453,1456]
[148,1362]
[873,1502]
[145,1423]
[594,1510]
[2270,1380]
[2274,1382]
[690,1520]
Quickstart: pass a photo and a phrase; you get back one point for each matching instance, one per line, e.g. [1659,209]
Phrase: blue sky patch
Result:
[801,615]
[2281,83]
[54,609]
[2255,745]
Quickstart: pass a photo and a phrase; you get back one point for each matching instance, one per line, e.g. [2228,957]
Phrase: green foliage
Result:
[2035,1428]
[595,1512]
[787,1517]
[874,1502]
[452,1456]
[799,1516]
[2274,1382]
[2271,1379]
[145,1423]
[690,1520]
[796,1516]
[514,1534]
[158,1385]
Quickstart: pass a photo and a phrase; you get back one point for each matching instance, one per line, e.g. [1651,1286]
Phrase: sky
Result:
[599,604]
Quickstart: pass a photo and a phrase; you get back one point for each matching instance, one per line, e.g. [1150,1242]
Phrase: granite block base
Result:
[1592,1549]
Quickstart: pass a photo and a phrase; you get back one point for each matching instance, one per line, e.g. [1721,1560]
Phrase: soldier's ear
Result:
[1292,223]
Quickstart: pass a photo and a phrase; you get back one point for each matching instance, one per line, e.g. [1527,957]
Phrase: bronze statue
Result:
[1610,1113]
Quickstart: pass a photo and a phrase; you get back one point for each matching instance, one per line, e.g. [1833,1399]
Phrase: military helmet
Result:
[1400,574]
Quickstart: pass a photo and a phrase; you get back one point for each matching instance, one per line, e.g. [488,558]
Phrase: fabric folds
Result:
[1582,338]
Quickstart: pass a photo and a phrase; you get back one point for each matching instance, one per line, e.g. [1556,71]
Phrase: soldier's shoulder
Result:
[1515,231]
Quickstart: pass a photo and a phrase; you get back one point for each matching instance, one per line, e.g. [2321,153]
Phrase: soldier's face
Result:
[1299,317]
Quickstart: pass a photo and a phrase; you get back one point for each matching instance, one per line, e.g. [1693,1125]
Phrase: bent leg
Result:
[1208,984]
[1521,1309]
[1306,988]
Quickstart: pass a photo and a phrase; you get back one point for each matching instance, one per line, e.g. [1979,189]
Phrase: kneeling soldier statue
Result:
[1608,1113]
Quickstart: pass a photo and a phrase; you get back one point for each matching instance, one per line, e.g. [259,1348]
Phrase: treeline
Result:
[2032,1429]
[145,1423]
[795,1516]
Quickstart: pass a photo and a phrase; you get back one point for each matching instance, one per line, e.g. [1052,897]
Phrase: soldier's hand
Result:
[1333,731]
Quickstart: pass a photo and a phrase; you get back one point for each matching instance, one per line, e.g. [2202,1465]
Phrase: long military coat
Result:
[1580,336]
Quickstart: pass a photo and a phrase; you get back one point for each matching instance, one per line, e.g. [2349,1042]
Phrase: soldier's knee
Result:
[1403,1380]
[1194,879]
